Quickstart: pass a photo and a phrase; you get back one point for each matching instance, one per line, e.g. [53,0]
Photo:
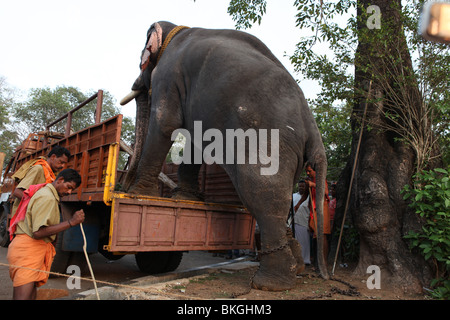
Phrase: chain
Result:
[250,285]
[274,250]
[352,291]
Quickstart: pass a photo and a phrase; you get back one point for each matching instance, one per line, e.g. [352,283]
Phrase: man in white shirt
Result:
[301,220]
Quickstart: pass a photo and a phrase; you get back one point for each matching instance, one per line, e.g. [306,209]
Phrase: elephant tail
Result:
[316,158]
[321,172]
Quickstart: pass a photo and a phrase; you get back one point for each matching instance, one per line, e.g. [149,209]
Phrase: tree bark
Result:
[385,165]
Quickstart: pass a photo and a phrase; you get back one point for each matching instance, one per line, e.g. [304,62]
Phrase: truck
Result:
[157,230]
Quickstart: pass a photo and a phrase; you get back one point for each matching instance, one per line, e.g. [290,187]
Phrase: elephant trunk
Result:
[142,120]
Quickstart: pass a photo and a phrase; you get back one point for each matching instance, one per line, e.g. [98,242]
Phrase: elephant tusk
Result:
[132,95]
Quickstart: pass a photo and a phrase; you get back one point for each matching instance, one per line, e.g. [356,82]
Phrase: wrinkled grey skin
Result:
[228,80]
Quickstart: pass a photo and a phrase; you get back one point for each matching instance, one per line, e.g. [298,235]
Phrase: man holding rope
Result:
[31,249]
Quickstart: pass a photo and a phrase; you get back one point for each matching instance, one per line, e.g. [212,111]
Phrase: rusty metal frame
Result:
[98,112]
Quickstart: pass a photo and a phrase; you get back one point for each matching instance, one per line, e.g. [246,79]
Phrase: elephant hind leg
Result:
[277,271]
[296,250]
[279,266]
[268,198]
[280,257]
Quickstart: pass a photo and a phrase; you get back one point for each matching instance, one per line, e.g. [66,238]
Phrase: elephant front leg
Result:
[188,186]
[149,168]
[165,118]
[155,151]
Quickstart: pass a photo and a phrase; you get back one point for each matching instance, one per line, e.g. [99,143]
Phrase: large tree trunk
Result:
[385,165]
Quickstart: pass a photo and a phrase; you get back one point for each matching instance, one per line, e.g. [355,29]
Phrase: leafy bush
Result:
[350,243]
[430,197]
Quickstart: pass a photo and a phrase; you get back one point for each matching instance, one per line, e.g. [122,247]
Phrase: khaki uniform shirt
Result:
[34,176]
[42,210]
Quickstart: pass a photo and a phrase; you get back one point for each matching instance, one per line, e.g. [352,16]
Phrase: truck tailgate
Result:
[163,224]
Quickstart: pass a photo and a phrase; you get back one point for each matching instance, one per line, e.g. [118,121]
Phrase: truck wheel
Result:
[4,233]
[158,261]
[108,255]
[174,260]
[152,262]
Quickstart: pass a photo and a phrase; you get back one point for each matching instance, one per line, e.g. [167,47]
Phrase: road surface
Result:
[119,271]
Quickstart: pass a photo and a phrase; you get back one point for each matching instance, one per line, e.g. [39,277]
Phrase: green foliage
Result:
[334,125]
[414,80]
[8,136]
[6,102]
[430,197]
[247,12]
[350,243]
[44,105]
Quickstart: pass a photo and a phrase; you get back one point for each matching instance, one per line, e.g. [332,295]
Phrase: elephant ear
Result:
[153,45]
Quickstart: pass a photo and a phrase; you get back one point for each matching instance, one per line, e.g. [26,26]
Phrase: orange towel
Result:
[30,253]
[48,172]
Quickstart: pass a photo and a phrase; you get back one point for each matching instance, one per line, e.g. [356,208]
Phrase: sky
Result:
[96,44]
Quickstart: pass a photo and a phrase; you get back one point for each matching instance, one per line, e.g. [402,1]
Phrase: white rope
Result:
[88,262]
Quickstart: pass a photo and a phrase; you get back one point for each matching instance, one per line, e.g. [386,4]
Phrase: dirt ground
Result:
[235,284]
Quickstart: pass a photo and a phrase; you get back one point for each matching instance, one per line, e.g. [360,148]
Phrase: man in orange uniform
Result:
[31,251]
[41,171]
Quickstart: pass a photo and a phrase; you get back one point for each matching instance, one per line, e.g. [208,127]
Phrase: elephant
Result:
[214,82]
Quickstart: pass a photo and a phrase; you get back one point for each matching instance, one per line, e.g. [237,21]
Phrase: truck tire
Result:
[174,260]
[108,255]
[4,233]
[158,261]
